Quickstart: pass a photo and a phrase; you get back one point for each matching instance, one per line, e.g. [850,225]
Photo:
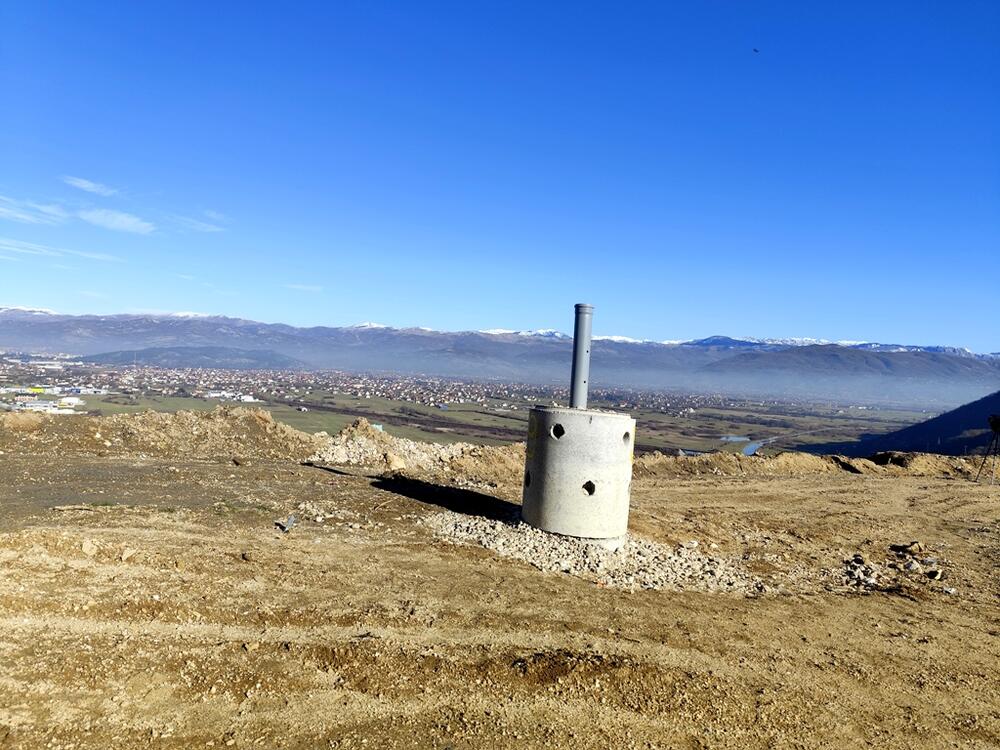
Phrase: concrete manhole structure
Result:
[578,469]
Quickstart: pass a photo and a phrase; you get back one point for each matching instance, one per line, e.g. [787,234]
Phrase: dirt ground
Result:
[147,599]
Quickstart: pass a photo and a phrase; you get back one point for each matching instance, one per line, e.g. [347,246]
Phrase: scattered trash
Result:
[287,524]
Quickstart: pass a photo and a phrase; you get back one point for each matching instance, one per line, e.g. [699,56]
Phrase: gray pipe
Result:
[581,356]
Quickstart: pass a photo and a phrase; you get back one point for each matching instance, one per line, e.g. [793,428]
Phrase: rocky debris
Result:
[638,564]
[466,464]
[859,573]
[908,564]
[905,550]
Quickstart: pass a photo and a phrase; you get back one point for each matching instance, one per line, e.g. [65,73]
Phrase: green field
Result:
[788,425]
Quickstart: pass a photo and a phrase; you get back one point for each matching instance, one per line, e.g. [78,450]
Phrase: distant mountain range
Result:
[213,357]
[807,368]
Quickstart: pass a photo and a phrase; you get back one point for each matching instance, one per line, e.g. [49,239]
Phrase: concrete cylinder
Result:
[578,472]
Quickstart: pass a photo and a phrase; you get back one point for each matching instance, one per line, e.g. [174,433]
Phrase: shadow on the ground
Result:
[332,470]
[450,498]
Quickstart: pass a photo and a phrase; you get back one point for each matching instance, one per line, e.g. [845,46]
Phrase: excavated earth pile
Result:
[464,464]
[225,432]
[239,432]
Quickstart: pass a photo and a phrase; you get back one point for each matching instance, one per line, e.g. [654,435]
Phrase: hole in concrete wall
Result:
[626,437]
[558,431]
[589,487]
[527,479]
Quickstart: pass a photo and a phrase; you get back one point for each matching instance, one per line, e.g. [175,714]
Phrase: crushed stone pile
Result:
[638,564]
[226,432]
[465,464]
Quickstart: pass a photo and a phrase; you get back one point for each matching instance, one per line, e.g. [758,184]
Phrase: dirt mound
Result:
[25,421]
[792,463]
[732,464]
[225,432]
[489,466]
[925,464]
[458,463]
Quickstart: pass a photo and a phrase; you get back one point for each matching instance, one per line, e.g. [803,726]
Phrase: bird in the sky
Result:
[756,51]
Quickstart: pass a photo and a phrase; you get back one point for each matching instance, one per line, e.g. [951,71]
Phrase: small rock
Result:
[89,548]
[935,575]
[950,591]
[246,556]
[913,548]
[127,554]
[394,462]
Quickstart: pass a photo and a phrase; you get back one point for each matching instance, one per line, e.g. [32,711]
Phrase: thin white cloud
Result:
[89,185]
[116,220]
[304,287]
[27,212]
[17,247]
[197,225]
[6,257]
[217,216]
[186,276]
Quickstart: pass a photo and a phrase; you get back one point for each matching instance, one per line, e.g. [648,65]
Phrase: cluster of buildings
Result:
[57,386]
[47,399]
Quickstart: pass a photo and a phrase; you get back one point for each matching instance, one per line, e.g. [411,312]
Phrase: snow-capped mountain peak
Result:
[549,333]
[623,340]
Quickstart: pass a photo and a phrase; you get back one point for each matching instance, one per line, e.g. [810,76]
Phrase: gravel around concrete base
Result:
[638,564]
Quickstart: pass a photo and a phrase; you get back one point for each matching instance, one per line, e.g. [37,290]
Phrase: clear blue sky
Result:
[473,165]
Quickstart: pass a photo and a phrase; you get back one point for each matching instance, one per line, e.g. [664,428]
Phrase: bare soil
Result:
[147,599]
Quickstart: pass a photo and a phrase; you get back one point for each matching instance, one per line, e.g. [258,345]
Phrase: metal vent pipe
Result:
[581,356]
